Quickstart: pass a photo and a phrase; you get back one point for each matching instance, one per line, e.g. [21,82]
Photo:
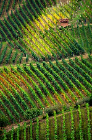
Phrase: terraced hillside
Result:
[45,69]
[77,128]
[36,34]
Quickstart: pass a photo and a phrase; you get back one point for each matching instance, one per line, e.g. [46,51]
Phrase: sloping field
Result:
[70,125]
[37,35]
[44,85]
[45,70]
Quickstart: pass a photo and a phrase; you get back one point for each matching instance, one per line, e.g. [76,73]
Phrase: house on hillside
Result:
[64,22]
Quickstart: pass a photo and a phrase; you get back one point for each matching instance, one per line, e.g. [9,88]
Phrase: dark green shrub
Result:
[0,38]
[51,110]
[84,101]
[32,113]
[90,101]
[3,121]
[1,131]
[66,108]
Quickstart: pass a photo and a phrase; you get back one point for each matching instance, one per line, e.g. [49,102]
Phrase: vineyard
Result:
[61,129]
[45,70]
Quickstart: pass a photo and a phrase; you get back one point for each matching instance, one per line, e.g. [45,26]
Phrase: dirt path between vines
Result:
[85,56]
[9,127]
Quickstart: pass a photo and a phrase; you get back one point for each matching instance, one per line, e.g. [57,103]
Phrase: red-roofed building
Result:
[64,22]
